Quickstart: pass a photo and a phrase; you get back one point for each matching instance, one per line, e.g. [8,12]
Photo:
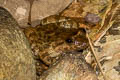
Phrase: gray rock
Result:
[16,61]
[72,66]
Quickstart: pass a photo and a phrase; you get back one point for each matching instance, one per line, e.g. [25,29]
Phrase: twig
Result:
[75,1]
[95,56]
[29,16]
[106,13]
[114,11]
[111,21]
[104,32]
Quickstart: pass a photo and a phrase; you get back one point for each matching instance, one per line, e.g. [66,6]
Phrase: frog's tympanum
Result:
[51,39]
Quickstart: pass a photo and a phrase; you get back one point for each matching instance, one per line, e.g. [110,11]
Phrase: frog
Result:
[54,36]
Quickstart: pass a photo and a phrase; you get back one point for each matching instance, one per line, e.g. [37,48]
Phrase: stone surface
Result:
[16,61]
[72,66]
[40,9]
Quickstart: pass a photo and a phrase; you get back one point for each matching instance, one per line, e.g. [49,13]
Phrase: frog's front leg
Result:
[49,56]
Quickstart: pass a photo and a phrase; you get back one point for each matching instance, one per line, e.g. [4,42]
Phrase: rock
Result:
[40,9]
[92,18]
[72,66]
[16,61]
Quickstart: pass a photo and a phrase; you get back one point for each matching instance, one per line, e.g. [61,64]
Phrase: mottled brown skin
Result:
[65,22]
[50,40]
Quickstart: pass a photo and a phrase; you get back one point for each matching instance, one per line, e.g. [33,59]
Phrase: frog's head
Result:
[74,39]
[77,42]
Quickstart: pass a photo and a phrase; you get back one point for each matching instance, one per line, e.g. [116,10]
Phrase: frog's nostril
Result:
[76,43]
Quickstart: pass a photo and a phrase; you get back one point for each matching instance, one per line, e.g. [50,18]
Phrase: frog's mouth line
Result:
[82,45]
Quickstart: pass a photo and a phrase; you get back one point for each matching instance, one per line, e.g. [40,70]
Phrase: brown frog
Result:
[50,39]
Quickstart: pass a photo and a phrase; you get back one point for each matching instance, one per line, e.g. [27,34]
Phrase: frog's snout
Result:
[76,43]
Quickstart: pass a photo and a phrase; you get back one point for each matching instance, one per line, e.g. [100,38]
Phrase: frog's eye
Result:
[69,40]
